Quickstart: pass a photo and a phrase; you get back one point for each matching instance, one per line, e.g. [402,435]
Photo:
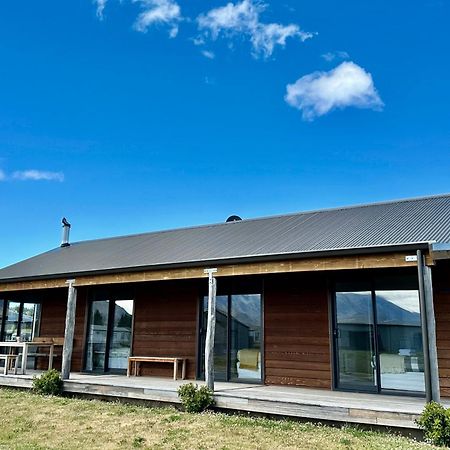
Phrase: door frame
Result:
[112,296]
[231,288]
[335,333]
[378,389]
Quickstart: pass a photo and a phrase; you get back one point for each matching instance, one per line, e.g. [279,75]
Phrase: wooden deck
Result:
[305,403]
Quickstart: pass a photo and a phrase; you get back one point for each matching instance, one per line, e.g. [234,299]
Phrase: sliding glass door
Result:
[400,340]
[378,340]
[120,343]
[109,333]
[237,345]
[355,340]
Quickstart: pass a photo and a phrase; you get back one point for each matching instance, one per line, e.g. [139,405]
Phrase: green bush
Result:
[49,383]
[435,422]
[194,398]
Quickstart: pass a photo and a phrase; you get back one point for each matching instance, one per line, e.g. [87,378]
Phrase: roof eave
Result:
[233,260]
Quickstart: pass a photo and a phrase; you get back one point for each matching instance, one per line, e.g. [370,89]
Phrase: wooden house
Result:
[354,299]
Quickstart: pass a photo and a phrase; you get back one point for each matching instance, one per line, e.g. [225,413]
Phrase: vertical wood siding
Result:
[165,324]
[296,335]
[441,283]
[53,317]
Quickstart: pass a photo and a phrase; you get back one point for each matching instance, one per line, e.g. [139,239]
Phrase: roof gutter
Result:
[413,247]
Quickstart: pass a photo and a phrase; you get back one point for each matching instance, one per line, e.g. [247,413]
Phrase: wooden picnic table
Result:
[25,350]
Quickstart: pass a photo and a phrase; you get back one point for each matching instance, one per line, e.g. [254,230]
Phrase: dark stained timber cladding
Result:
[296,334]
[165,324]
[441,283]
[53,317]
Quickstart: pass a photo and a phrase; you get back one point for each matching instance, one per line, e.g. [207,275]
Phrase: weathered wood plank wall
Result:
[165,324]
[53,315]
[441,283]
[297,345]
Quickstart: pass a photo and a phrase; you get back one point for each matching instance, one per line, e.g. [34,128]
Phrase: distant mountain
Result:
[354,308]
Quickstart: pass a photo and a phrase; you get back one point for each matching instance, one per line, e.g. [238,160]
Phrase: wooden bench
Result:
[134,364]
[10,363]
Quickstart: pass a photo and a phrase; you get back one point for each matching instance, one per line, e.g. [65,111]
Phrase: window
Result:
[109,332]
[238,337]
[19,319]
[378,335]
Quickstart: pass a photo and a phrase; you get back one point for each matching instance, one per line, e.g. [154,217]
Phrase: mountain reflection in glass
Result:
[379,340]
[400,340]
[355,340]
[119,347]
[109,335]
[237,343]
[96,335]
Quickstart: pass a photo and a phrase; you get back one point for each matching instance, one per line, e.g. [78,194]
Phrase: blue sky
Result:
[158,114]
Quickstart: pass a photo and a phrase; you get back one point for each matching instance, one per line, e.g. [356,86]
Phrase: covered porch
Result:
[398,412]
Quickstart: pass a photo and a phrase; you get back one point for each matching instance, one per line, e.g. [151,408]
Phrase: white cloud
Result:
[208,54]
[100,7]
[2,175]
[38,175]
[155,12]
[199,40]
[346,85]
[331,56]
[242,18]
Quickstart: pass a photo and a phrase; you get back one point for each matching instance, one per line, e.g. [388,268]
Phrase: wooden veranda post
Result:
[210,329]
[69,330]
[431,367]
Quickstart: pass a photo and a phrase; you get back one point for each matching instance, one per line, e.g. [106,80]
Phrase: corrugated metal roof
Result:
[396,223]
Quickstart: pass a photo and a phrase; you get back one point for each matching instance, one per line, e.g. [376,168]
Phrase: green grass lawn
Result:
[29,421]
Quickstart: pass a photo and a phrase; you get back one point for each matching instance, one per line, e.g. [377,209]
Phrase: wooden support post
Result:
[211,329]
[431,328]
[69,330]
[431,369]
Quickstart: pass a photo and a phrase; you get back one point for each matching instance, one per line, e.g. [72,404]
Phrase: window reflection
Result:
[121,335]
[356,354]
[400,340]
[379,340]
[109,335]
[237,343]
[245,337]
[10,332]
[96,335]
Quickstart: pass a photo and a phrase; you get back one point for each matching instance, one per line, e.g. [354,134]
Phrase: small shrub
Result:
[194,398]
[49,383]
[435,422]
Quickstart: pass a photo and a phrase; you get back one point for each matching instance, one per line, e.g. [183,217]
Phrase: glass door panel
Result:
[245,351]
[11,321]
[220,339]
[400,340]
[237,343]
[29,323]
[120,344]
[2,306]
[97,333]
[356,360]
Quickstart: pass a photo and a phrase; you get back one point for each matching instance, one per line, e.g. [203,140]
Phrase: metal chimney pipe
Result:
[65,233]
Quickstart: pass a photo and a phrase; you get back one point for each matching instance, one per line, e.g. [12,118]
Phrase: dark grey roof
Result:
[357,229]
